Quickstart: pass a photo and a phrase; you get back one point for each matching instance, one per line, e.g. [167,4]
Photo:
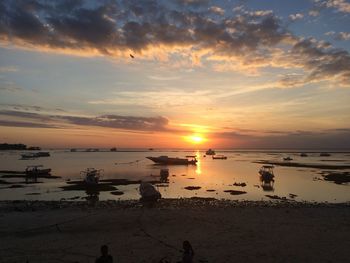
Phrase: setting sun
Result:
[195,139]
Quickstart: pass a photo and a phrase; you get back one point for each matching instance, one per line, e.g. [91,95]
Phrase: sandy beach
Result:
[220,231]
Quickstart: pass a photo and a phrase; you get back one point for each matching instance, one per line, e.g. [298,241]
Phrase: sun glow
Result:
[195,138]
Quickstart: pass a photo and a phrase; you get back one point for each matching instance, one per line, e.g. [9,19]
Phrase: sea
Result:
[212,178]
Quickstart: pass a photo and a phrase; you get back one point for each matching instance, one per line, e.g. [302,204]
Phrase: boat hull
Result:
[172,161]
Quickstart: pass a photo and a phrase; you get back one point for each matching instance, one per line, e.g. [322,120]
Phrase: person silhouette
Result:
[188,253]
[105,257]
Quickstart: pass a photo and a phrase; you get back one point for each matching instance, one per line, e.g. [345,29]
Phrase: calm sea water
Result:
[209,174]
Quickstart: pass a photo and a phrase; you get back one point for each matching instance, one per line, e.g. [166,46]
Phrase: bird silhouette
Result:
[132,56]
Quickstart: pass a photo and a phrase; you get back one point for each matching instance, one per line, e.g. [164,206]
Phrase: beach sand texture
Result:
[223,233]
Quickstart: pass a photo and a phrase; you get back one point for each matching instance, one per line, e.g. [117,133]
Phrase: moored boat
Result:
[210,152]
[219,157]
[266,172]
[288,158]
[34,170]
[303,155]
[325,154]
[172,160]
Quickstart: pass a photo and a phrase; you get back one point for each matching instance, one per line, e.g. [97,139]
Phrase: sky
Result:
[175,74]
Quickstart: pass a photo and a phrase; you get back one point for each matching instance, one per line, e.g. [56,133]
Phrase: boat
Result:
[113,149]
[73,150]
[287,158]
[303,155]
[148,192]
[267,177]
[266,171]
[171,160]
[28,156]
[34,170]
[42,154]
[324,154]
[219,157]
[91,176]
[210,152]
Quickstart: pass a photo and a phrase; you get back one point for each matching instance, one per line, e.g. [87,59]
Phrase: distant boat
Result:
[325,154]
[170,160]
[148,192]
[34,170]
[303,155]
[73,150]
[26,156]
[288,159]
[150,149]
[43,154]
[219,157]
[210,152]
[33,148]
[113,149]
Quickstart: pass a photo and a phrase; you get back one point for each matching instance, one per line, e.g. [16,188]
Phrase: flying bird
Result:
[132,56]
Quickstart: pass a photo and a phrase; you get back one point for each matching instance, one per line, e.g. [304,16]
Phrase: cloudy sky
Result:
[181,73]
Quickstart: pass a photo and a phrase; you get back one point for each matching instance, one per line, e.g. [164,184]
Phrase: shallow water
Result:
[209,174]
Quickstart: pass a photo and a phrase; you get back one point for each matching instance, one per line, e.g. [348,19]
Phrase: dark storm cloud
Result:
[116,27]
[109,121]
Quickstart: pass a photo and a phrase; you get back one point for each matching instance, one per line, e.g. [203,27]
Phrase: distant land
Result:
[17,146]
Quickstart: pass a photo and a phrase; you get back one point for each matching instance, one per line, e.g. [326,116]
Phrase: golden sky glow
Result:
[191,74]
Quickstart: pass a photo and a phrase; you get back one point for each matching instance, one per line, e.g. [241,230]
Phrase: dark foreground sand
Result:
[220,231]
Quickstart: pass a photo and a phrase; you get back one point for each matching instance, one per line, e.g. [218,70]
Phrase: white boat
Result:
[148,192]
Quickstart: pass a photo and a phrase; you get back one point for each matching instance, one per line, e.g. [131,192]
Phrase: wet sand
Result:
[220,231]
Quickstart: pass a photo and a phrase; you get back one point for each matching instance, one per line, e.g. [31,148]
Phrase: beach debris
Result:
[117,193]
[191,188]
[235,192]
[240,184]
[337,177]
[276,197]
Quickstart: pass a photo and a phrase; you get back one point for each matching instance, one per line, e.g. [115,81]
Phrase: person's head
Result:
[104,250]
[186,246]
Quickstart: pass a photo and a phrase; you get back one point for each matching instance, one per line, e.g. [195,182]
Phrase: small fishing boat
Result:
[42,154]
[148,192]
[113,149]
[325,154]
[303,155]
[266,172]
[73,150]
[267,177]
[28,156]
[210,152]
[219,157]
[91,176]
[34,170]
[288,158]
[174,161]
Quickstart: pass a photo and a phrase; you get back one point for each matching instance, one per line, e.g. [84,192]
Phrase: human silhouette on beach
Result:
[105,257]
[188,253]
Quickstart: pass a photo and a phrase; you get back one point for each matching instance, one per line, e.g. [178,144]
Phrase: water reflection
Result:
[92,196]
[267,184]
[198,164]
